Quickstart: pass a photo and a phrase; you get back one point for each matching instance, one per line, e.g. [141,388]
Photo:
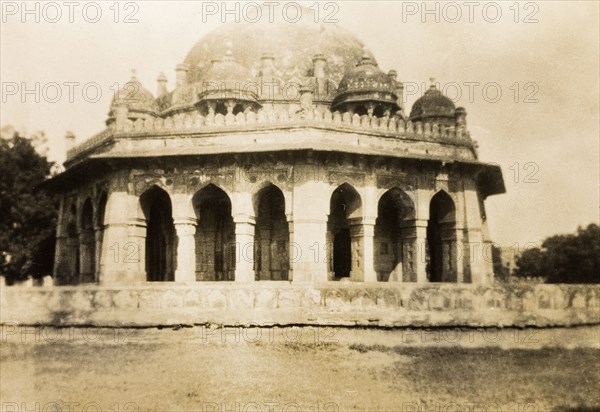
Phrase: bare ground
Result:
[299,369]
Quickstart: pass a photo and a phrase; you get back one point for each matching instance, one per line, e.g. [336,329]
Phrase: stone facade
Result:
[231,178]
[275,216]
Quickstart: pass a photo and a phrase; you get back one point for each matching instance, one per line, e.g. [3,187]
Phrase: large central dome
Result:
[293,46]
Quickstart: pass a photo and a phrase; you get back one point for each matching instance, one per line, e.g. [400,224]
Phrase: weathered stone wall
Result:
[308,182]
[331,303]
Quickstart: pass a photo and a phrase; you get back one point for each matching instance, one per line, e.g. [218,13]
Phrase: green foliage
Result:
[28,215]
[564,258]
[501,272]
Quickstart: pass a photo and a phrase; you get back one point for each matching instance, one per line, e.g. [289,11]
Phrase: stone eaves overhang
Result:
[117,150]
[488,176]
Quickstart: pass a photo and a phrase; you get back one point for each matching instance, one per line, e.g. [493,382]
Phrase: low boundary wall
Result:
[277,303]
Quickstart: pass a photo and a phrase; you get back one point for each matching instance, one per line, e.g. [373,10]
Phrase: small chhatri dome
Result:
[226,78]
[134,96]
[433,106]
[366,83]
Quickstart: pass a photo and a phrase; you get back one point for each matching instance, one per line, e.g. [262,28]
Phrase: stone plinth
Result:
[282,303]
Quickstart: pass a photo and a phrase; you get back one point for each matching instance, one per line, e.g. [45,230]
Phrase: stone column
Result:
[98,235]
[86,257]
[61,267]
[293,250]
[60,252]
[310,238]
[310,206]
[414,257]
[244,245]
[366,235]
[474,230]
[458,251]
[186,250]
[356,250]
[122,260]
[475,253]
[487,252]
[74,266]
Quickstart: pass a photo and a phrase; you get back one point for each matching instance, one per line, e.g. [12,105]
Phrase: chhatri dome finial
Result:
[133,74]
[366,57]
[365,53]
[432,83]
[228,47]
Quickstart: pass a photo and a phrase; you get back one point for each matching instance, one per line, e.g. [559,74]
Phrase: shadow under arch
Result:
[441,260]
[87,243]
[395,209]
[345,214]
[271,235]
[161,240]
[215,235]
[72,264]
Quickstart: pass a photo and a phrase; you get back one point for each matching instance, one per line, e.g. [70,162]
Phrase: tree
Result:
[530,264]
[501,271]
[565,258]
[28,216]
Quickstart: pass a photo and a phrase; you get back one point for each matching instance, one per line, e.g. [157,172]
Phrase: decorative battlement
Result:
[96,140]
[195,122]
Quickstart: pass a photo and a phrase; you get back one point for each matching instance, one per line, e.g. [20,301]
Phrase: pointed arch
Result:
[101,209]
[160,235]
[73,255]
[271,236]
[87,244]
[441,261]
[87,215]
[394,208]
[345,213]
[215,234]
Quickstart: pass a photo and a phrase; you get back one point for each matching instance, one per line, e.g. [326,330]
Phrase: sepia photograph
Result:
[300,206]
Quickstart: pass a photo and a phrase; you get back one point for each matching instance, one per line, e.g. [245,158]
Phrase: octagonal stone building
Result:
[283,153]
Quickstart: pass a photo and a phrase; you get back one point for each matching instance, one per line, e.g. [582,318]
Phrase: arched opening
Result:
[393,208]
[441,262]
[345,211]
[87,243]
[360,110]
[379,110]
[160,235]
[221,108]
[215,235]
[100,212]
[72,246]
[271,236]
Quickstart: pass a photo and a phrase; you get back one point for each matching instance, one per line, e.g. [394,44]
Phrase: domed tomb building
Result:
[281,154]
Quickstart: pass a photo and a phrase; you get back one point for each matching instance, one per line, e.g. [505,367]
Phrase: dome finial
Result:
[432,83]
[228,47]
[133,74]
[365,53]
[366,57]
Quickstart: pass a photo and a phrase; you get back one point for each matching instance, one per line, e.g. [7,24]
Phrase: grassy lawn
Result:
[339,370]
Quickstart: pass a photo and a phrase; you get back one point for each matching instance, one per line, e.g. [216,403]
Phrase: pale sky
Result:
[553,60]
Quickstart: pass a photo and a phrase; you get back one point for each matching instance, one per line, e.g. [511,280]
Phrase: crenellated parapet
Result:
[97,140]
[194,122]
